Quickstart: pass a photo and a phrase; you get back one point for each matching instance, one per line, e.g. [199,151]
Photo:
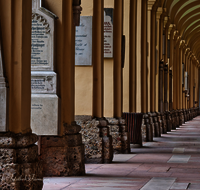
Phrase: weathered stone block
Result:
[104,131]
[112,121]
[8,156]
[54,161]
[27,155]
[107,149]
[71,129]
[52,141]
[73,140]
[10,140]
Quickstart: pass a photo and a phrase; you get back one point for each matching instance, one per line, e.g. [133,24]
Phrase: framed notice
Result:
[83,42]
[108,32]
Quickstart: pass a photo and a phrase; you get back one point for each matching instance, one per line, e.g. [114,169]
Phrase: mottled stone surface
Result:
[19,166]
[117,137]
[120,135]
[64,155]
[97,139]
[91,139]
[10,140]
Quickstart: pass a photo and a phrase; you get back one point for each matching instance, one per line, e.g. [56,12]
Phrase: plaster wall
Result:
[84,74]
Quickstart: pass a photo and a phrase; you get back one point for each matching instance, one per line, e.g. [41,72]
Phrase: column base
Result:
[121,137]
[168,121]
[64,155]
[156,126]
[150,128]
[164,124]
[97,139]
[19,166]
[160,123]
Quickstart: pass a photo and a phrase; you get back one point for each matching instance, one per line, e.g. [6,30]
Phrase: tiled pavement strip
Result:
[170,162]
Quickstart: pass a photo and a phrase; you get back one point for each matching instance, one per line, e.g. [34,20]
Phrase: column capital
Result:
[159,12]
[172,28]
[166,18]
[182,44]
[150,4]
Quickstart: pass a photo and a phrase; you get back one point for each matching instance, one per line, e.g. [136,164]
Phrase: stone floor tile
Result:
[179,186]
[194,186]
[179,159]
[157,183]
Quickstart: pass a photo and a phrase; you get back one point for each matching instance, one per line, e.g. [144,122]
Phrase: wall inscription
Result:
[83,42]
[42,42]
[43,83]
[108,32]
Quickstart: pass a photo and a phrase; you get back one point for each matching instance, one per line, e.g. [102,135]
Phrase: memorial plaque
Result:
[44,100]
[83,41]
[3,97]
[44,114]
[108,32]
[43,83]
[42,47]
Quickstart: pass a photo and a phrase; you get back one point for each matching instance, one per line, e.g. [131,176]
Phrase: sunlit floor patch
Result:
[158,183]
[179,159]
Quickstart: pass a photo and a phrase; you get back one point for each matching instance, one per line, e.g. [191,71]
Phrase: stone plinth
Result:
[159,123]
[64,155]
[144,128]
[120,135]
[168,121]
[150,128]
[156,126]
[164,124]
[180,114]
[19,166]
[96,138]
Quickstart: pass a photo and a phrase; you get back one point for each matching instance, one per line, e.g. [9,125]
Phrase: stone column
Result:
[191,86]
[144,58]
[132,59]
[170,90]
[152,62]
[165,87]
[117,35]
[98,57]
[161,65]
[68,146]
[73,146]
[180,75]
[158,13]
[18,153]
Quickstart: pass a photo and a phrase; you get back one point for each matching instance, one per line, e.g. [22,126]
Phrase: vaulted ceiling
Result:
[185,14]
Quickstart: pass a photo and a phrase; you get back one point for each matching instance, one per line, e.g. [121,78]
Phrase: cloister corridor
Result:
[172,162]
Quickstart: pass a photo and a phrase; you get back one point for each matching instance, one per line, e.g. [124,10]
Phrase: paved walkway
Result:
[170,162]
